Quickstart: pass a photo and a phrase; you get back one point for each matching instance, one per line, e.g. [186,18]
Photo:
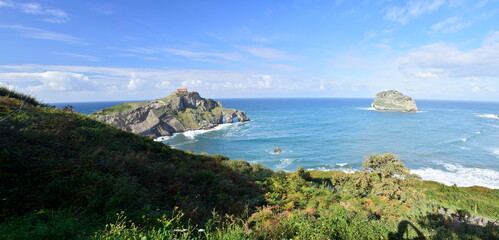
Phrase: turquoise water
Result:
[448,141]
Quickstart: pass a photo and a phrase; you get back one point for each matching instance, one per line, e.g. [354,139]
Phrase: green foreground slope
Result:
[65,176]
[55,162]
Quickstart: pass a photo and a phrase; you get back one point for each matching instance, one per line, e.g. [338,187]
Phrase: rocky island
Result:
[179,112]
[392,100]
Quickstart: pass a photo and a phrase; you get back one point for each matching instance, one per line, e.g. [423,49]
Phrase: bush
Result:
[385,165]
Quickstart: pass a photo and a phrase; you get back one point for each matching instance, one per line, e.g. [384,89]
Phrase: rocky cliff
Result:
[178,112]
[394,101]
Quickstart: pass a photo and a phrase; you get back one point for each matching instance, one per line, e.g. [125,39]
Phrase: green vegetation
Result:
[8,93]
[118,108]
[475,200]
[66,176]
[57,164]
[189,117]
[384,104]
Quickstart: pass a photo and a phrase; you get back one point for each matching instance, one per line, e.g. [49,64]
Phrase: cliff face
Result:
[394,101]
[179,112]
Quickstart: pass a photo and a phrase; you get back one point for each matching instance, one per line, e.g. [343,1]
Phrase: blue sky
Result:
[68,51]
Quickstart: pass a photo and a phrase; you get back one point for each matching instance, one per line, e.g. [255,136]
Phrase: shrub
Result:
[385,165]
[301,173]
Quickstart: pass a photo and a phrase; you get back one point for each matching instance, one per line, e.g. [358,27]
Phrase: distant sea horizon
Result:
[448,141]
[250,98]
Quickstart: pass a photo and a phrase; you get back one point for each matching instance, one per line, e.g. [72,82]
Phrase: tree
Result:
[386,174]
[386,165]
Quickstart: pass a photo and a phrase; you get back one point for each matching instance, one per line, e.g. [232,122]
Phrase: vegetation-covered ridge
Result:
[178,112]
[66,176]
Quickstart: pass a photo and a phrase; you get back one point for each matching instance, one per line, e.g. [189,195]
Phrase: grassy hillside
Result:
[66,176]
[56,163]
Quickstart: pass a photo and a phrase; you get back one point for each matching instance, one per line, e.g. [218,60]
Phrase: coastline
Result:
[193,133]
[452,139]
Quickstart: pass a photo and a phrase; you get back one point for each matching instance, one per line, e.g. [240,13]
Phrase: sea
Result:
[452,142]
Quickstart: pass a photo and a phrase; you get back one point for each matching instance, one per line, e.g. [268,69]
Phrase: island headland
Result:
[179,112]
[394,101]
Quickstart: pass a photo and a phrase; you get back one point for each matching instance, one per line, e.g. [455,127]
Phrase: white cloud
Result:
[5,4]
[202,56]
[37,33]
[264,39]
[192,83]
[264,81]
[144,50]
[452,24]
[106,9]
[53,15]
[281,67]
[82,56]
[351,60]
[329,84]
[445,60]
[268,53]
[198,55]
[252,81]
[49,80]
[492,39]
[412,10]
[427,74]
[481,88]
[481,3]
[134,82]
[163,84]
[368,36]
[383,46]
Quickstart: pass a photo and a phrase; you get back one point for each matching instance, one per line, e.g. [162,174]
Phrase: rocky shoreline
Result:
[178,112]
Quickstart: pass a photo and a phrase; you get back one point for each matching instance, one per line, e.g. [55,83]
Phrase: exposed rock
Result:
[392,100]
[179,112]
[463,217]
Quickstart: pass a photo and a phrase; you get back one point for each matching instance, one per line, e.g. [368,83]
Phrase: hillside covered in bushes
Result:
[66,176]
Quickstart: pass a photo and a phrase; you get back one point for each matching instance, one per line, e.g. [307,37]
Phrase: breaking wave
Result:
[488,116]
[461,176]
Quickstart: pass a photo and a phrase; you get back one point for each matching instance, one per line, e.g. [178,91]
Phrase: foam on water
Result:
[324,169]
[366,108]
[193,133]
[461,176]
[494,116]
[470,136]
[342,164]
[496,152]
[283,163]
[162,138]
[283,151]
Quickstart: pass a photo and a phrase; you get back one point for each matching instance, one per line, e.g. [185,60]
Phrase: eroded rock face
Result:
[178,112]
[394,101]
[462,217]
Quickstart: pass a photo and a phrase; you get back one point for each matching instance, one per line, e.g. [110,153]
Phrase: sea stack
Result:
[394,101]
[179,112]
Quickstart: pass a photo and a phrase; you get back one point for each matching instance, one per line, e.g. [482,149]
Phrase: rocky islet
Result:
[392,100]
